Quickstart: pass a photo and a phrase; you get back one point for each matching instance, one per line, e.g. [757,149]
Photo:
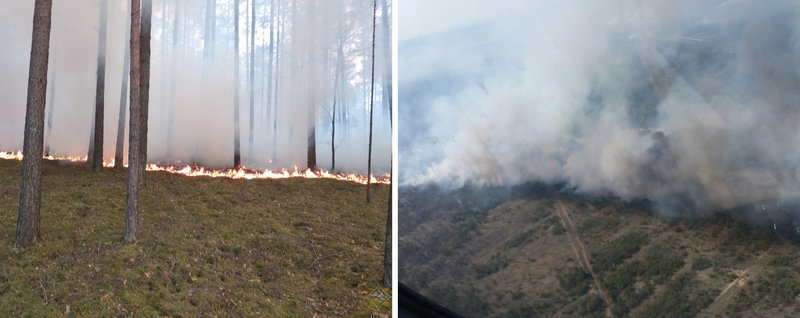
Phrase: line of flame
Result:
[241,173]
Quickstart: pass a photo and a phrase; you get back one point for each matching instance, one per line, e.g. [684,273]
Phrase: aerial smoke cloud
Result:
[675,101]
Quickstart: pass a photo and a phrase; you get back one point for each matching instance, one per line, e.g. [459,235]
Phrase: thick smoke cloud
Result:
[203,103]
[694,102]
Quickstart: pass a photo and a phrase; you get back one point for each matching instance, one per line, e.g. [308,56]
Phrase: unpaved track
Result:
[737,284]
[578,247]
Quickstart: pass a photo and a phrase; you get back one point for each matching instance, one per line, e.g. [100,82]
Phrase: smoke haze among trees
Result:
[292,80]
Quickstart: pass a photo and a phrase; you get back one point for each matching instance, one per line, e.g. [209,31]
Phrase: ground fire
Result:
[194,170]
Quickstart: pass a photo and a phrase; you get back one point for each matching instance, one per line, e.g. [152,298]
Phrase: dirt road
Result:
[737,284]
[578,247]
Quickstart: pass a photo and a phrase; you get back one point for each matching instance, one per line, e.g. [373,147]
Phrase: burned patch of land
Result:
[511,252]
[206,247]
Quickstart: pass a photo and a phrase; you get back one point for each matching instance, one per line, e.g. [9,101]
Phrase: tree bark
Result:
[237,157]
[147,12]
[99,101]
[371,98]
[132,198]
[30,196]
[120,147]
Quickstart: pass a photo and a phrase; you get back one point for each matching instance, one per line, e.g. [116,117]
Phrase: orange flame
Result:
[241,173]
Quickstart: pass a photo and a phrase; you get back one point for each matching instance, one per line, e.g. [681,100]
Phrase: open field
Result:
[529,252]
[206,247]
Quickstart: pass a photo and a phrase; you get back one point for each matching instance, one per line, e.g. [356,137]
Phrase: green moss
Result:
[206,246]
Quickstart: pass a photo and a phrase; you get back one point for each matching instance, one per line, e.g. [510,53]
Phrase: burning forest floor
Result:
[522,252]
[206,247]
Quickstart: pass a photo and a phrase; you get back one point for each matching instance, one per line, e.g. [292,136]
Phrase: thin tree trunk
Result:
[387,244]
[262,110]
[295,60]
[371,98]
[336,85]
[50,109]
[118,153]
[147,11]
[312,81]
[132,197]
[99,101]
[30,194]
[252,78]
[277,88]
[162,60]
[333,128]
[269,65]
[387,61]
[387,255]
[90,153]
[237,158]
[209,34]
[173,76]
[365,95]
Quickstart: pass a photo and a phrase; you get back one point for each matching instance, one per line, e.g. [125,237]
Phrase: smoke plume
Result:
[683,102]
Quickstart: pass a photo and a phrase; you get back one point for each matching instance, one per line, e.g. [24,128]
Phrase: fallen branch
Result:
[44,291]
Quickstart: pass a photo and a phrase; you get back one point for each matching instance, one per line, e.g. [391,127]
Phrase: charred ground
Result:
[505,252]
[207,247]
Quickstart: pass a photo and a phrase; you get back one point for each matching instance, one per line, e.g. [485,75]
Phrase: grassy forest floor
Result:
[490,252]
[206,247]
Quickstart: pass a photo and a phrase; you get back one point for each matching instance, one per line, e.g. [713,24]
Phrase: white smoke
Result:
[203,123]
[551,96]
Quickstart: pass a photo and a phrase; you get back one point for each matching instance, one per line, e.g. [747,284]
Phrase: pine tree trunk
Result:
[164,35]
[271,58]
[147,12]
[312,81]
[99,101]
[339,61]
[50,109]
[387,245]
[132,197]
[277,89]
[387,61]
[120,147]
[262,111]
[90,153]
[173,76]
[237,158]
[252,77]
[30,196]
[371,98]
[209,34]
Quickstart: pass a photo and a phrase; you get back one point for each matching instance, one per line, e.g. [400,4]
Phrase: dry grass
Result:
[206,247]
